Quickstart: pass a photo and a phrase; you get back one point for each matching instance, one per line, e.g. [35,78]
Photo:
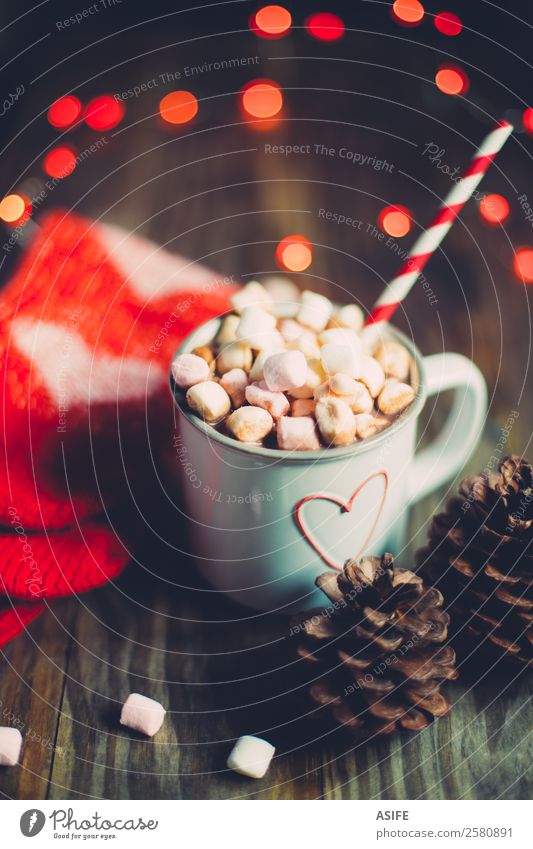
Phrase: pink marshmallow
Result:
[188,369]
[142,714]
[285,370]
[10,746]
[274,403]
[235,382]
[297,434]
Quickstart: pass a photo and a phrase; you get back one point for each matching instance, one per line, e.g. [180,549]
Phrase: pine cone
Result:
[481,557]
[379,662]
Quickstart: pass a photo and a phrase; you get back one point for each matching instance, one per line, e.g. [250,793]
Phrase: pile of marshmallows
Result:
[309,377]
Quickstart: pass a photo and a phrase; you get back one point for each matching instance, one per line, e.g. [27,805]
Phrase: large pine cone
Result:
[377,648]
[480,554]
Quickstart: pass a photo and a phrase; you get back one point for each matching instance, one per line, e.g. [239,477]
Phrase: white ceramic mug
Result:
[264,523]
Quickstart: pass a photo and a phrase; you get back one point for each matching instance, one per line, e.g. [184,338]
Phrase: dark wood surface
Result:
[219,673]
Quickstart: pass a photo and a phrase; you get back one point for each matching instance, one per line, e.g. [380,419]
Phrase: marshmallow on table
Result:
[188,369]
[209,400]
[285,370]
[10,746]
[250,424]
[275,403]
[235,382]
[350,316]
[142,714]
[251,294]
[395,397]
[256,326]
[235,355]
[297,434]
[303,407]
[315,310]
[341,359]
[371,374]
[251,756]
[335,420]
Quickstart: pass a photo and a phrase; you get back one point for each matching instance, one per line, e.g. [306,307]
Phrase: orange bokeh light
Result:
[395,220]
[64,112]
[60,162]
[408,12]
[523,264]
[271,22]
[451,80]
[15,208]
[294,253]
[494,208]
[178,107]
[104,112]
[262,99]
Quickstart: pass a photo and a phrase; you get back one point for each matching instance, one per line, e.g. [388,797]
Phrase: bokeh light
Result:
[178,107]
[294,253]
[15,209]
[494,208]
[325,26]
[451,80]
[64,112]
[60,162]
[528,120]
[104,112]
[447,23]
[523,264]
[262,99]
[395,220]
[409,12]
[271,22]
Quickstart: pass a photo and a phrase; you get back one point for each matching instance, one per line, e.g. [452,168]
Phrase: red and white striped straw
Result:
[431,238]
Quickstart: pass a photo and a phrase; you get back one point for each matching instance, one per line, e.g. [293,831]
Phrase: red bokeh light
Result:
[494,208]
[447,23]
[262,99]
[178,107]
[395,220]
[64,112]
[271,22]
[451,80]
[408,12]
[528,120]
[104,112]
[325,26]
[294,253]
[60,162]
[523,264]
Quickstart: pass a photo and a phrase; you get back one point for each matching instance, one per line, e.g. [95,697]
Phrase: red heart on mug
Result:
[346,507]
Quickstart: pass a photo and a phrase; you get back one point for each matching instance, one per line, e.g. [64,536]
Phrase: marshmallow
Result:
[228,329]
[250,424]
[315,310]
[251,756]
[340,336]
[142,714]
[367,425]
[354,393]
[339,358]
[394,359]
[371,374]
[303,407]
[209,400]
[307,343]
[188,369]
[336,421]
[251,294]
[285,295]
[297,434]
[206,353]
[255,326]
[395,397]
[350,316]
[235,382]
[10,746]
[315,376]
[256,372]
[322,391]
[275,403]
[290,329]
[234,355]
[285,370]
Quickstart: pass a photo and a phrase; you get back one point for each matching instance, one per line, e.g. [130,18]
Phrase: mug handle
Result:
[447,454]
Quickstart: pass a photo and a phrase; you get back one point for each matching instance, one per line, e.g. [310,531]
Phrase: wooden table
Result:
[228,200]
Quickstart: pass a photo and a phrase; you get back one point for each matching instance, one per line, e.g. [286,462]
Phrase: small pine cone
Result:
[480,554]
[378,648]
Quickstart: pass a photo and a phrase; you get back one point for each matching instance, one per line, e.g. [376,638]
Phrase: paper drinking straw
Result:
[431,238]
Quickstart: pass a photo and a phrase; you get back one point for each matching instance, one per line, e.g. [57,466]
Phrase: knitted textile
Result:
[88,325]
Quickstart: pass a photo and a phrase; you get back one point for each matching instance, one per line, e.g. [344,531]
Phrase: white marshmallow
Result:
[285,295]
[285,370]
[188,369]
[307,343]
[209,400]
[335,421]
[351,315]
[371,374]
[10,746]
[235,382]
[315,376]
[251,294]
[367,425]
[142,714]
[303,407]
[275,403]
[235,355]
[339,358]
[340,336]
[322,391]
[255,326]
[395,397]
[297,434]
[290,329]
[250,424]
[394,359]
[251,756]
[315,310]
[228,329]
[352,391]
[256,372]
